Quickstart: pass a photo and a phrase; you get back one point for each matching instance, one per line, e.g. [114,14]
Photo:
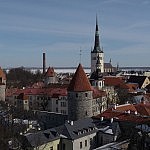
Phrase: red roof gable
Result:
[79,81]
[132,87]
[2,74]
[50,72]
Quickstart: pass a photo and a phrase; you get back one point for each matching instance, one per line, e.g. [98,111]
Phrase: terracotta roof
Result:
[126,107]
[132,87]
[122,116]
[41,91]
[115,81]
[143,109]
[2,74]
[79,81]
[98,93]
[50,72]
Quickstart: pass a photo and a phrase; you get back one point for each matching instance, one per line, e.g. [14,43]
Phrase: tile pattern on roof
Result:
[79,82]
[127,113]
[115,81]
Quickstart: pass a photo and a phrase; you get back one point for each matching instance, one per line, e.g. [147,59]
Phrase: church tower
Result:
[97,52]
[79,96]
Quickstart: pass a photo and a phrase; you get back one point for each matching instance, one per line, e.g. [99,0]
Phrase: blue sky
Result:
[62,27]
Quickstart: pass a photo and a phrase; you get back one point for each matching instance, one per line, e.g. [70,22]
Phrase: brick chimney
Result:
[44,63]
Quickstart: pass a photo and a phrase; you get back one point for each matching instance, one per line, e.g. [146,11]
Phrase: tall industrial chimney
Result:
[44,63]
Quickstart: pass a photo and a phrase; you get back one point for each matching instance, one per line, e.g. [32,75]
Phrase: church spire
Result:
[97,43]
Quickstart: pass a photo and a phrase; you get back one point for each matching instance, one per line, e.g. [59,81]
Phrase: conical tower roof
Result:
[79,82]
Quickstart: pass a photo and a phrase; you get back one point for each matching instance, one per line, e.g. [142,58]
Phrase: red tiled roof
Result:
[122,113]
[50,72]
[143,109]
[126,107]
[79,81]
[98,93]
[50,91]
[115,81]
[132,87]
[2,74]
[122,116]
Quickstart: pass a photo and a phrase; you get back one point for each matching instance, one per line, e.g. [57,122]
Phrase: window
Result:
[56,109]
[57,146]
[77,95]
[51,148]
[63,111]
[86,94]
[80,145]
[85,143]
[56,101]
[63,146]
[63,104]
[91,141]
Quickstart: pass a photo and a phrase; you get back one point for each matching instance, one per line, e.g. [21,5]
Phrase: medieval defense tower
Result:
[79,96]
[97,53]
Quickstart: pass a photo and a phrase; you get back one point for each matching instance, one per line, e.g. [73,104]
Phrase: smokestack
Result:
[44,63]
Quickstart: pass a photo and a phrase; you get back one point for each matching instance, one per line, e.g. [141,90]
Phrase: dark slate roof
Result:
[137,79]
[108,65]
[96,75]
[39,138]
[79,128]
[79,82]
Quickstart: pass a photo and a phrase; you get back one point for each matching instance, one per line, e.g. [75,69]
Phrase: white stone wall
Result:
[91,142]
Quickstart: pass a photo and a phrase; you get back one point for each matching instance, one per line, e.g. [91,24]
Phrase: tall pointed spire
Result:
[97,43]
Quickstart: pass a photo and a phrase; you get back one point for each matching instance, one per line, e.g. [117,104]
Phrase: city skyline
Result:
[62,28]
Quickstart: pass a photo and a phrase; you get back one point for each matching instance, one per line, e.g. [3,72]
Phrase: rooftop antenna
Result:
[44,62]
[80,54]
